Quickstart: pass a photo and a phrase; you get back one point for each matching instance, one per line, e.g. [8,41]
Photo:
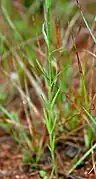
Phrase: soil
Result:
[11,162]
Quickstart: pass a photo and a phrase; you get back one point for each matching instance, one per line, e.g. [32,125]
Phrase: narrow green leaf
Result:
[89,115]
[6,112]
[42,70]
[54,124]
[45,36]
[82,158]
[47,4]
[54,98]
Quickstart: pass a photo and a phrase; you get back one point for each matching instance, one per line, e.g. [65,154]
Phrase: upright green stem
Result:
[48,20]
[49,109]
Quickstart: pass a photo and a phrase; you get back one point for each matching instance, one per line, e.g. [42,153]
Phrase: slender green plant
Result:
[49,111]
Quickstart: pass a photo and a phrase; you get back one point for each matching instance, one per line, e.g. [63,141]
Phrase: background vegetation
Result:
[47,81]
